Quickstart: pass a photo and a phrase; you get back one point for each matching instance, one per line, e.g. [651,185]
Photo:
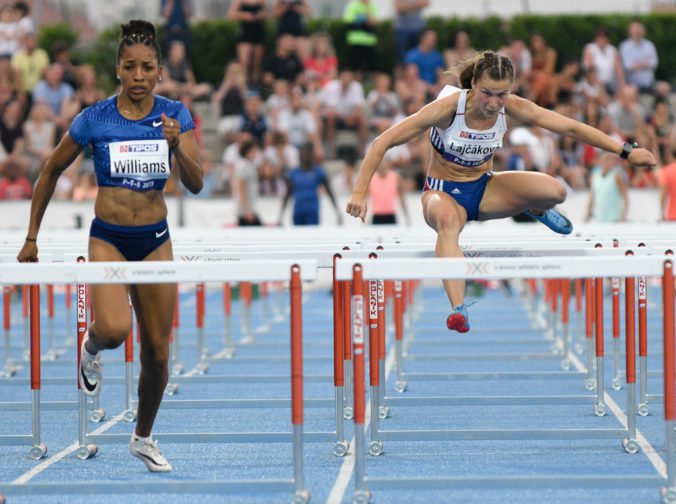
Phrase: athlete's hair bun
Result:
[139,28]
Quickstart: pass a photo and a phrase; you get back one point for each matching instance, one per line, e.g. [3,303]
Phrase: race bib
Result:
[139,159]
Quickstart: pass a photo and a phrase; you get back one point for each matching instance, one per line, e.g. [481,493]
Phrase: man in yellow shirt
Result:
[28,64]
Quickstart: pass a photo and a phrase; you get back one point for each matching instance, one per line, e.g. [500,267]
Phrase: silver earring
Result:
[118,77]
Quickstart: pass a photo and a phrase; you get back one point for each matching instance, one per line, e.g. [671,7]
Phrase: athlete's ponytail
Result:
[497,66]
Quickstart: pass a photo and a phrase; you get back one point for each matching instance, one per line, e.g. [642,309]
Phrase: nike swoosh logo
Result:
[160,235]
[86,382]
[156,124]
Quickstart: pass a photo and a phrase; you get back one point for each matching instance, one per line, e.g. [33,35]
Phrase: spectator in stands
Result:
[542,72]
[251,15]
[321,62]
[595,97]
[85,188]
[87,92]
[278,158]
[283,63]
[8,42]
[245,178]
[408,25]
[628,113]
[565,83]
[230,97]
[39,133]
[60,52]
[24,22]
[230,159]
[428,59]
[254,119]
[385,188]
[409,86]
[13,184]
[176,15]
[604,57]
[662,124]
[572,169]
[290,16]
[343,107]
[299,123]
[518,52]
[608,195]
[277,102]
[382,104]
[667,180]
[461,50]
[178,77]
[360,18]
[28,65]
[11,130]
[639,58]
[57,94]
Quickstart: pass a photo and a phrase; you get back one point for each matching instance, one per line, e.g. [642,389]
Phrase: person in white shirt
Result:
[639,58]
[343,102]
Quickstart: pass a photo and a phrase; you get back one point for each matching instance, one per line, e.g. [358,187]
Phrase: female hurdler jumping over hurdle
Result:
[133,135]
[467,126]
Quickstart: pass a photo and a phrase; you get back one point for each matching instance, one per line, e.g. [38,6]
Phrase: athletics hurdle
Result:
[102,272]
[502,268]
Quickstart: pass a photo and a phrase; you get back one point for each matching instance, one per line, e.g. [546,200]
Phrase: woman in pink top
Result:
[384,189]
[667,177]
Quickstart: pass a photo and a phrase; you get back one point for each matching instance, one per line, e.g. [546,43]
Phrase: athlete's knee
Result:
[155,355]
[109,335]
[448,223]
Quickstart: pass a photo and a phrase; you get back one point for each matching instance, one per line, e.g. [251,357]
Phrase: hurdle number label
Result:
[358,324]
[373,300]
[381,295]
[642,294]
[81,303]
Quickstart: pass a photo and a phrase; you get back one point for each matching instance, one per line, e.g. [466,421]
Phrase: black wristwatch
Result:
[626,149]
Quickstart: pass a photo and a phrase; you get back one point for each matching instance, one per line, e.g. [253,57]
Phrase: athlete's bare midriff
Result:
[445,170]
[125,207]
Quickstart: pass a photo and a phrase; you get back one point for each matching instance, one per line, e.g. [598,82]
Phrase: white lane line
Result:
[643,443]
[347,468]
[24,478]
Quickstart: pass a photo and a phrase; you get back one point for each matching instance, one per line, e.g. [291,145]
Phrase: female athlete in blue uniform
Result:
[133,136]
[467,126]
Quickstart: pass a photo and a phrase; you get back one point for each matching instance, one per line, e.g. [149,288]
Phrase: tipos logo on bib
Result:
[139,159]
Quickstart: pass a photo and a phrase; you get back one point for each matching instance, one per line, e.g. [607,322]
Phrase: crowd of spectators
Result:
[299,97]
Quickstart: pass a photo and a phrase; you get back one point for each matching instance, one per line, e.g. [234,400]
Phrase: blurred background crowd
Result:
[292,119]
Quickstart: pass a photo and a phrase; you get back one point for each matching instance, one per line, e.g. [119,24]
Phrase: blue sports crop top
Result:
[130,154]
[462,145]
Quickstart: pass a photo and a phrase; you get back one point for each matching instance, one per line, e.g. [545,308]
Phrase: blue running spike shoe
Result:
[458,320]
[554,220]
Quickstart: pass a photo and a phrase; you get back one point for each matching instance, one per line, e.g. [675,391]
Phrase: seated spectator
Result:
[542,73]
[382,104]
[595,97]
[639,58]
[254,119]
[321,62]
[459,52]
[278,158]
[28,64]
[57,94]
[605,58]
[39,133]
[343,107]
[662,123]
[299,123]
[518,52]
[572,169]
[303,183]
[277,102]
[60,52]
[13,184]
[177,75]
[230,97]
[628,113]
[11,129]
[283,63]
[428,59]
[408,85]
[565,82]
[87,91]
[85,188]
[24,22]
[245,180]
[8,42]
[230,159]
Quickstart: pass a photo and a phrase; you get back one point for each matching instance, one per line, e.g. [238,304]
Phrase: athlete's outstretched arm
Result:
[63,155]
[436,113]
[528,112]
